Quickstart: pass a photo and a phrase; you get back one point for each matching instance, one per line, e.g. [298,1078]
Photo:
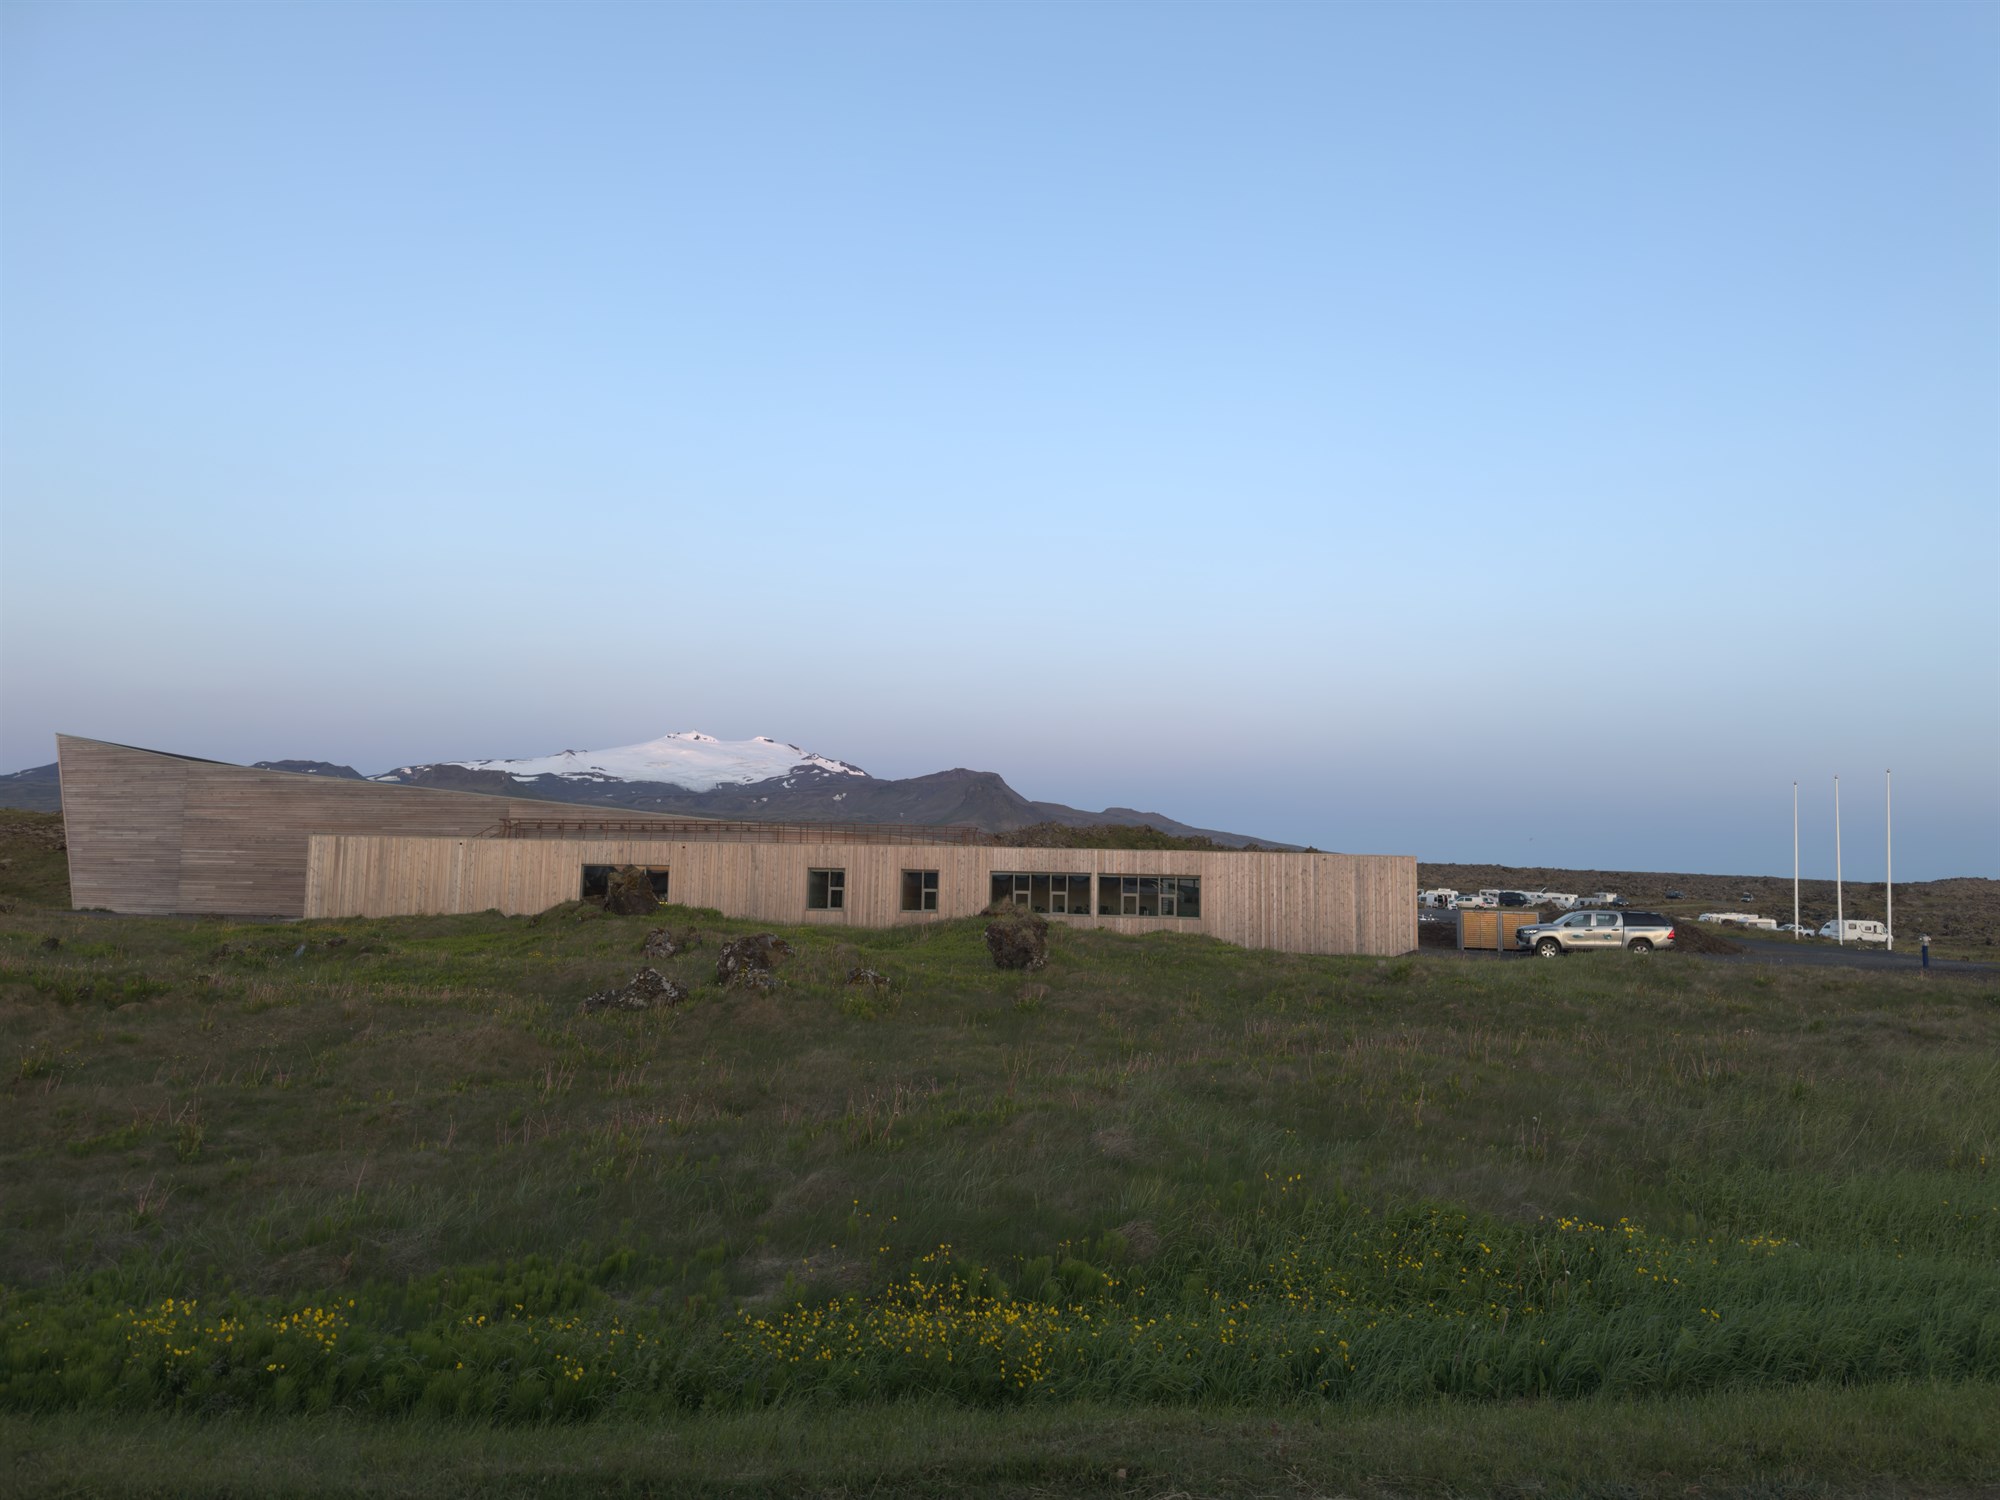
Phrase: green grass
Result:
[1884,1441]
[34,862]
[1166,1191]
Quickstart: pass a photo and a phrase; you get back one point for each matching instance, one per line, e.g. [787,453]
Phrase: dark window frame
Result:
[596,881]
[925,890]
[1163,898]
[826,889]
[1046,892]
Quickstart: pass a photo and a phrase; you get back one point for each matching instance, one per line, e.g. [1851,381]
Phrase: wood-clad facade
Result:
[152,833]
[1300,903]
[155,833]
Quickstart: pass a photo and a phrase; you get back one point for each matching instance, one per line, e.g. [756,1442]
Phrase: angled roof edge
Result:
[635,814]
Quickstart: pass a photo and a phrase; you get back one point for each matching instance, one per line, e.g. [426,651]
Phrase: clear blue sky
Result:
[1534,433]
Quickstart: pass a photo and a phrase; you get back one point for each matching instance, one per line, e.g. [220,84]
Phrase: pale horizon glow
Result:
[1527,434]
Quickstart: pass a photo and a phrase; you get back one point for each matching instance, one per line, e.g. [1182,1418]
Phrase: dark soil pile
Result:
[1018,940]
[1702,937]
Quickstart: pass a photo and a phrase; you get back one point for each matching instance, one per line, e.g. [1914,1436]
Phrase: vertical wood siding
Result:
[156,833]
[1301,903]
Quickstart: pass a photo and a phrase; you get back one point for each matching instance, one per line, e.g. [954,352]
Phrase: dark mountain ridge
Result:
[981,799]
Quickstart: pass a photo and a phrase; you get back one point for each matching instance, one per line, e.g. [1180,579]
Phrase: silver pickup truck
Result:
[1587,931]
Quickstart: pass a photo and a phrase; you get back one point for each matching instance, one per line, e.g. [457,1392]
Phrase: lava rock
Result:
[628,892]
[860,976]
[1018,940]
[661,943]
[649,989]
[747,956]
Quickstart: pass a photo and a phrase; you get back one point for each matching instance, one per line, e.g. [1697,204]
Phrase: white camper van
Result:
[1852,931]
[1444,895]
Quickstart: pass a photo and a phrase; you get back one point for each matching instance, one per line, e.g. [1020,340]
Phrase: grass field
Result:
[338,1206]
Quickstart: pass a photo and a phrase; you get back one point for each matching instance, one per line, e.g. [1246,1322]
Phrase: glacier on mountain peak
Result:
[688,758]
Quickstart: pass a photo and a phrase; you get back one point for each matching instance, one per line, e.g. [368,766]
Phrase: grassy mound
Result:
[391,1169]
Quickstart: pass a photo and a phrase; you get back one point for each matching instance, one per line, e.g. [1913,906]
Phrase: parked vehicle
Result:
[1443,895]
[1601,898]
[1470,899]
[1675,896]
[1516,898]
[1585,931]
[1853,931]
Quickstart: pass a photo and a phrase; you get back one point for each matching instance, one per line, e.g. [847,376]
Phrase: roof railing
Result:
[708,830]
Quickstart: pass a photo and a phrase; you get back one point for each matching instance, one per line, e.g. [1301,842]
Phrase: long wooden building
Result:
[157,833]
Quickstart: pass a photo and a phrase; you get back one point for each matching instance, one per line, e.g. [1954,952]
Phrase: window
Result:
[1149,896]
[1060,894]
[920,888]
[597,881]
[826,890]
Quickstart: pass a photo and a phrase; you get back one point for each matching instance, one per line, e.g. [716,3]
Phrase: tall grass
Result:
[391,1168]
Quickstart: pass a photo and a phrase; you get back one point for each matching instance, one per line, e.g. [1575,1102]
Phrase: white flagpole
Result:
[1795,861]
[1839,906]
[1889,856]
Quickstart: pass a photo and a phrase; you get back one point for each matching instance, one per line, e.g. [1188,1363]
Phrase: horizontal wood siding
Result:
[1301,903]
[122,822]
[154,833]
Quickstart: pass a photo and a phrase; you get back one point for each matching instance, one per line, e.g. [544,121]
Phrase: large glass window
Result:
[1149,896]
[1059,894]
[826,890]
[920,890]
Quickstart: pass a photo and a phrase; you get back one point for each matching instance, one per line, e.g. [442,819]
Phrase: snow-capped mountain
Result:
[691,760]
[699,776]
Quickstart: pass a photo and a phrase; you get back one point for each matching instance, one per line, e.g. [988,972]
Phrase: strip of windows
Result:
[597,881]
[826,890]
[1059,894]
[1149,896]
[920,890]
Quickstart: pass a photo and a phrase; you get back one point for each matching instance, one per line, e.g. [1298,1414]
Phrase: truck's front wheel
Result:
[1548,948]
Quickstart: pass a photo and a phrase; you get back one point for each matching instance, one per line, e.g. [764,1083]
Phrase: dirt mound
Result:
[1702,937]
[1018,940]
